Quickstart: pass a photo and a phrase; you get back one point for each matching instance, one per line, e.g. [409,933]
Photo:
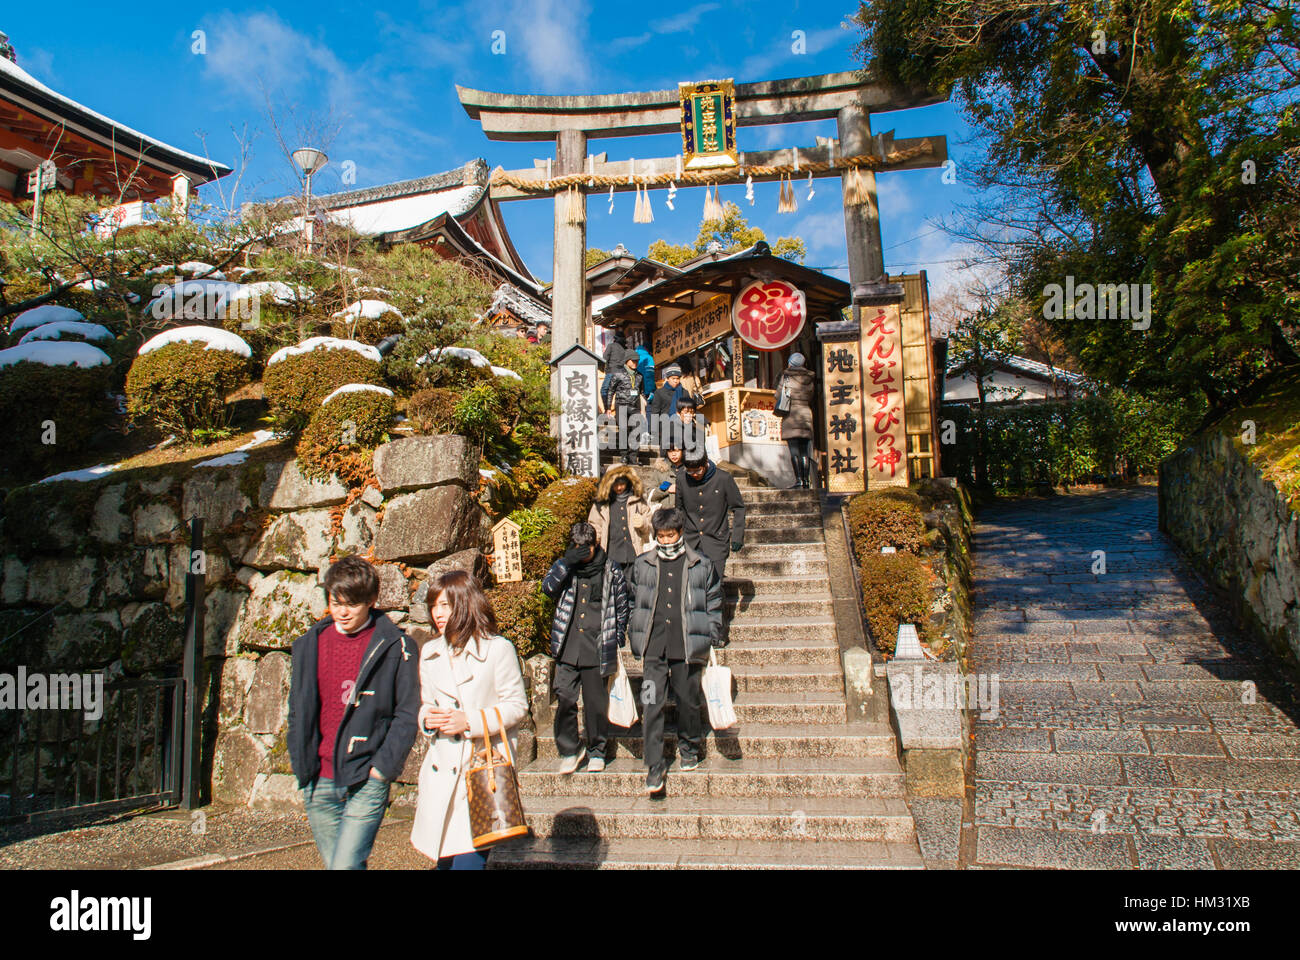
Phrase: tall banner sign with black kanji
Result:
[882,388]
[579,386]
[842,378]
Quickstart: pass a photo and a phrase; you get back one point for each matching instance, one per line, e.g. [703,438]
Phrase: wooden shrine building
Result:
[93,155]
[732,322]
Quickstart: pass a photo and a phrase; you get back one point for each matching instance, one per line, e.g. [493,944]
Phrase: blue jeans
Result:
[345,827]
[477,860]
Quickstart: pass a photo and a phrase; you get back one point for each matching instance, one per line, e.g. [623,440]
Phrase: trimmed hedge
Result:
[895,589]
[524,616]
[295,386]
[348,424]
[182,387]
[32,393]
[568,500]
[891,518]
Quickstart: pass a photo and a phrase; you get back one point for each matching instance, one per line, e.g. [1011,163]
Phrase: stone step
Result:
[784,521]
[703,818]
[809,586]
[720,777]
[771,677]
[771,705]
[782,508]
[786,536]
[775,605]
[778,652]
[811,550]
[756,740]
[797,564]
[779,495]
[756,631]
[620,854]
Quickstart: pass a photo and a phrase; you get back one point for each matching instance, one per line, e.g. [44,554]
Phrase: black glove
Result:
[576,555]
[736,545]
[721,642]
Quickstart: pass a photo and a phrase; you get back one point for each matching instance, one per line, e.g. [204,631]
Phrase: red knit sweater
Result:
[338,660]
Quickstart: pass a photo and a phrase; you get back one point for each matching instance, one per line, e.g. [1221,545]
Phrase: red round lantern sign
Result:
[768,314]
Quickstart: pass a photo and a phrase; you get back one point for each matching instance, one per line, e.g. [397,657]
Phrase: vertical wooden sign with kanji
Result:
[882,388]
[842,389]
[579,382]
[507,554]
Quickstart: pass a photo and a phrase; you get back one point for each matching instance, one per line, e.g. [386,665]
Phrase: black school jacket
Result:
[379,724]
[708,503]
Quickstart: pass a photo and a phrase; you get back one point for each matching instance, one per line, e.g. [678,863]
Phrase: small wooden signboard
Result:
[507,555]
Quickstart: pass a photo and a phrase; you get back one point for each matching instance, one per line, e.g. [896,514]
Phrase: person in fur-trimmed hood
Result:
[621,515]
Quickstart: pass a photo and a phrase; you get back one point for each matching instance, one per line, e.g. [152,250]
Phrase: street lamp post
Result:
[309,160]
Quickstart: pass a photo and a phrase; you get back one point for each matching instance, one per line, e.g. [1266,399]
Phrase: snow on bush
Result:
[197,267]
[325,343]
[55,353]
[470,354]
[39,316]
[190,299]
[73,328]
[355,388]
[273,291]
[367,310]
[215,339]
[297,379]
[461,353]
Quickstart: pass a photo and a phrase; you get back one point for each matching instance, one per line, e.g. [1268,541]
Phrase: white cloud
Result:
[256,55]
[551,37]
[40,64]
[683,21]
[759,65]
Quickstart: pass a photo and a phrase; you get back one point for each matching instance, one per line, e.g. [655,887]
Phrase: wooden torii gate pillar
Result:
[571,121]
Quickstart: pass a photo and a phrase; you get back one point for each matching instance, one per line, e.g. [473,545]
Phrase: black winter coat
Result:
[615,607]
[621,387]
[379,724]
[707,503]
[701,609]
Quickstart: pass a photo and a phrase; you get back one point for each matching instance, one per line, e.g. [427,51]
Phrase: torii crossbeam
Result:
[571,121]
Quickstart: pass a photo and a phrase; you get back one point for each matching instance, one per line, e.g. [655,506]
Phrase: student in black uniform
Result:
[676,618]
[591,614]
[715,511]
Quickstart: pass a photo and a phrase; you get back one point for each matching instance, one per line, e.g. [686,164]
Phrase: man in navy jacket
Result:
[353,701]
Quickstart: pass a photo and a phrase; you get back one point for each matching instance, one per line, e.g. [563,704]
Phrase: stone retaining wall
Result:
[1239,530]
[105,562]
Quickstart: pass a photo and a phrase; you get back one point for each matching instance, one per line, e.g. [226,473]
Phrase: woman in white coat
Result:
[465,668]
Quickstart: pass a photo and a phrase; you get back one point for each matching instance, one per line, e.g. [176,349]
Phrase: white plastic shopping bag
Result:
[622,706]
[717,691]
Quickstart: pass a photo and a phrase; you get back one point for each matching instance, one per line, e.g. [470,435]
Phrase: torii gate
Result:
[571,121]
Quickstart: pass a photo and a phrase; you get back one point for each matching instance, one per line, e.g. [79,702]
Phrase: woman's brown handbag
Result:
[495,812]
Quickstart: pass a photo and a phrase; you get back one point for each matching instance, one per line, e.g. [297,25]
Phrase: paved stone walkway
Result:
[1136,726]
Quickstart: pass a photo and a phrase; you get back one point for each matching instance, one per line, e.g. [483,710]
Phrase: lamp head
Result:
[309,159]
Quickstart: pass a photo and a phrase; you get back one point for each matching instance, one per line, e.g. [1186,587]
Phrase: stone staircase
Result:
[793,784]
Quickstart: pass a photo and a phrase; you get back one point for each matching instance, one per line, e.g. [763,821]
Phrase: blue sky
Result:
[386,76]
